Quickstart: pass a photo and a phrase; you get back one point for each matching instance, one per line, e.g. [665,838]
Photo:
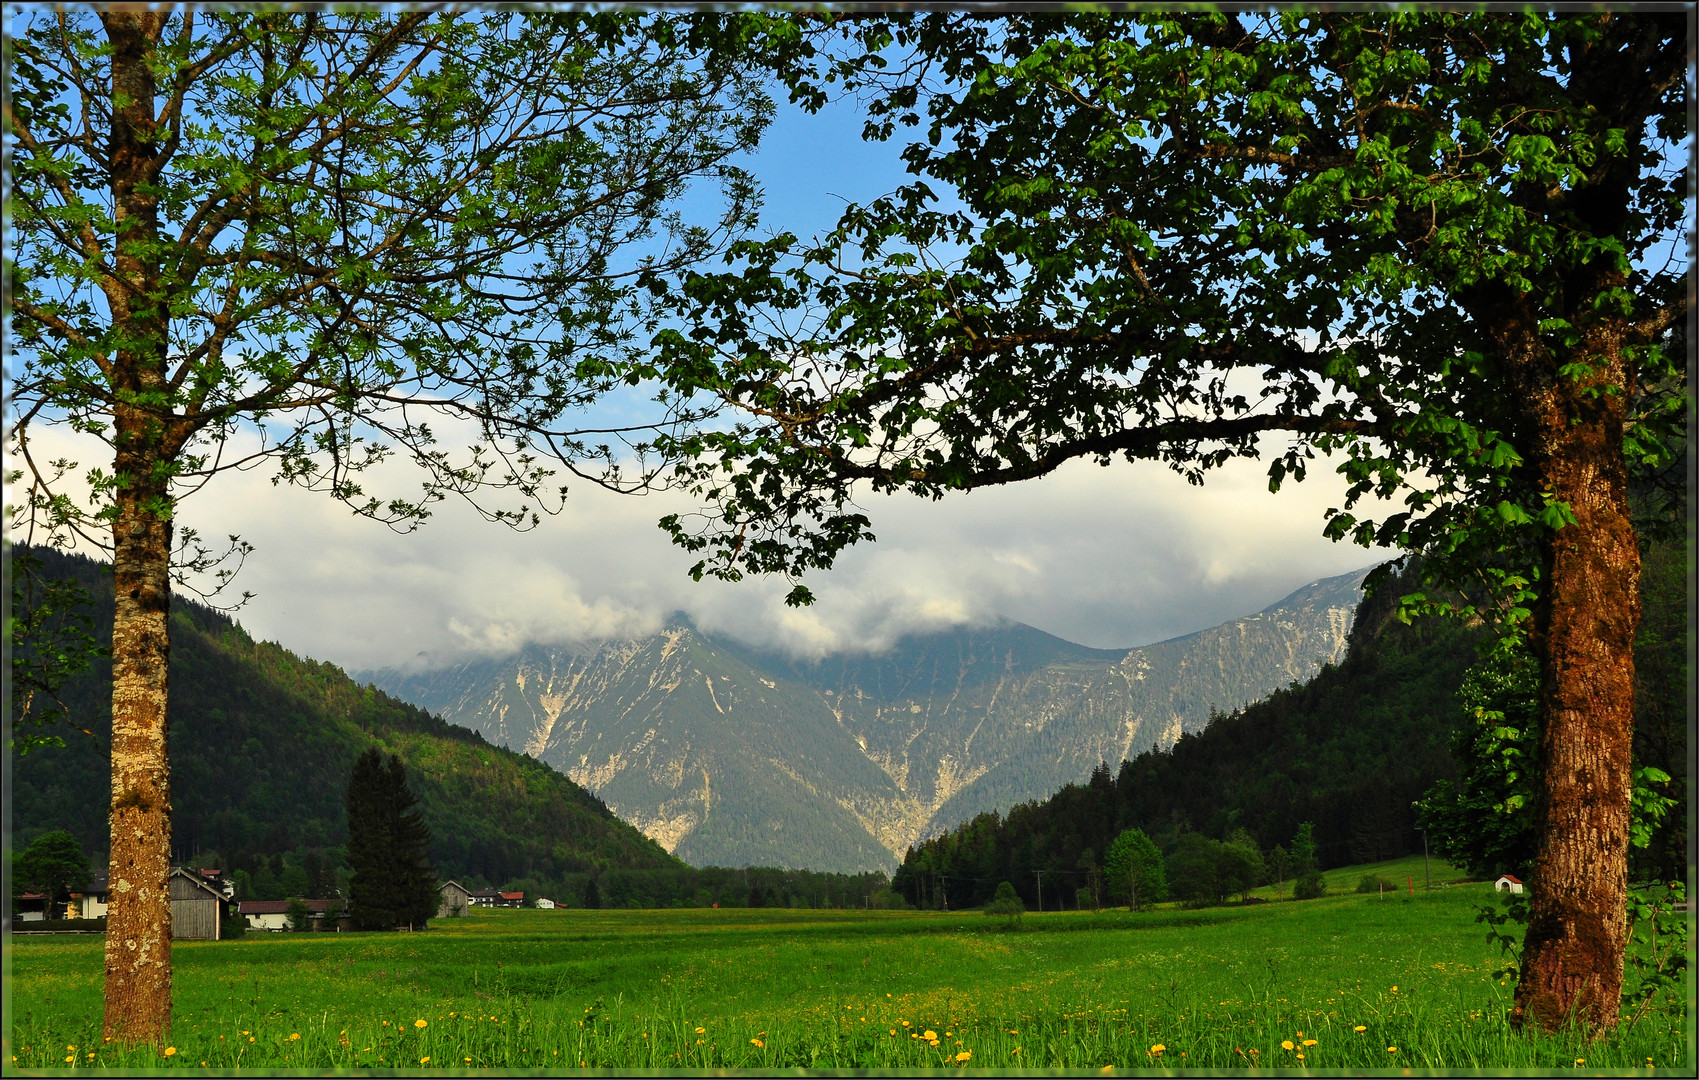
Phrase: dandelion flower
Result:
[905,1023]
[1158,1048]
[1309,1042]
[929,1034]
[424,1060]
[1286,1044]
[1300,1057]
[468,1061]
[1360,1027]
[756,1043]
[1580,1061]
[700,1031]
[418,1023]
[70,1058]
[1392,1049]
[294,1036]
[964,1056]
[169,1051]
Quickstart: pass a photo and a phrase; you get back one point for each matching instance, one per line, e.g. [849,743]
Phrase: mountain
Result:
[262,742]
[1349,751]
[731,755]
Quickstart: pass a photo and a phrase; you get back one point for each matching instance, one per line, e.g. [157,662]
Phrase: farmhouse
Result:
[545,904]
[90,903]
[197,909]
[273,915]
[1508,882]
[497,898]
[456,898]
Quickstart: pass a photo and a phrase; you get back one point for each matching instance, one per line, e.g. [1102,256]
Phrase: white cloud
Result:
[1109,557]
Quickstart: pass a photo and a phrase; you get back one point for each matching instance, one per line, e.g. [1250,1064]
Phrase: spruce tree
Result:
[371,889]
[1306,866]
[415,880]
[388,847]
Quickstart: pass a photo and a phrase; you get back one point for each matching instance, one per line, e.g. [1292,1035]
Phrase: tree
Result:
[299,915]
[1308,883]
[1194,870]
[1278,862]
[1239,864]
[1444,247]
[1134,869]
[53,864]
[388,847]
[325,237]
[1484,821]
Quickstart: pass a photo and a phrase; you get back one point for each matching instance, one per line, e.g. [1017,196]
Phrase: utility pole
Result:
[1040,874]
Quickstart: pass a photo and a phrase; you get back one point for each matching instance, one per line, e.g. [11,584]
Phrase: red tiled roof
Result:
[1511,878]
[513,896]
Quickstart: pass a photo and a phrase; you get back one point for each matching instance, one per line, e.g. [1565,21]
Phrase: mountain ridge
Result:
[730,754]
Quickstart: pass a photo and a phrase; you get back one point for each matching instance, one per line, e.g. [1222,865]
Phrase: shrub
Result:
[1375,883]
[1007,904]
[1085,899]
[1309,886]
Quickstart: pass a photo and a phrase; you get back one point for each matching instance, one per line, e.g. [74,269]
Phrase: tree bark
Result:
[1572,958]
[138,928]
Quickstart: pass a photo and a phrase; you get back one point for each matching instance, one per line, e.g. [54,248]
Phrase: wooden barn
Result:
[197,909]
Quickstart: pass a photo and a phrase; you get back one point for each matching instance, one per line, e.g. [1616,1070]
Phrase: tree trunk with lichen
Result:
[138,927]
[1572,959]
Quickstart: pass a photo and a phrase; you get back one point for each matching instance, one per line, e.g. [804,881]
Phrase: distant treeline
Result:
[1350,751]
[708,886]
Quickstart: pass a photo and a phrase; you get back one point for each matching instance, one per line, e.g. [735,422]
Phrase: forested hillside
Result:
[262,742]
[1350,751]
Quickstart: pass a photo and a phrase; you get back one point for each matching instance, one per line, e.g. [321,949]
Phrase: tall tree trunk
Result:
[1572,959]
[138,929]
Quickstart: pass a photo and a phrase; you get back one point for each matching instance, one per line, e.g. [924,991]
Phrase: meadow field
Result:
[1347,982]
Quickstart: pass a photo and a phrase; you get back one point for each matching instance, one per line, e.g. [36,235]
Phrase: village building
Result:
[197,908]
[497,898]
[90,901]
[456,899]
[273,915]
[545,904]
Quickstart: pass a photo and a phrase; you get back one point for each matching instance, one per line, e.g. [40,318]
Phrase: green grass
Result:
[700,989]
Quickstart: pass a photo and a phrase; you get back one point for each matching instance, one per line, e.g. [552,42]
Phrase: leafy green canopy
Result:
[53,865]
[1181,234]
[361,232]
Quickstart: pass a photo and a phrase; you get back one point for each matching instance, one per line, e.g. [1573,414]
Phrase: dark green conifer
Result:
[388,846]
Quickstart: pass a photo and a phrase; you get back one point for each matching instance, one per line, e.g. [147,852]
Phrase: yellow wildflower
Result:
[418,1023]
[424,1060]
[1286,1044]
[1359,1027]
[294,1036]
[700,1031]
[1392,1049]
[1158,1048]
[1309,1042]
[929,1034]
[169,1050]
[964,1056]
[756,1043]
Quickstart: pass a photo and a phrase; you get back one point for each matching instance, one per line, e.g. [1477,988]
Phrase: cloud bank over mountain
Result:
[1108,557]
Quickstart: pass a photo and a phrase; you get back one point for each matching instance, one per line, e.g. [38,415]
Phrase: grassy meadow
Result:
[1349,981]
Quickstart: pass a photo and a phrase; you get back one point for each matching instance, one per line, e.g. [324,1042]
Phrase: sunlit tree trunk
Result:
[1572,961]
[138,931]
